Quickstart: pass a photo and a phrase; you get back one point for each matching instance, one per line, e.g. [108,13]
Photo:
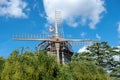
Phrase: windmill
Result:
[55,44]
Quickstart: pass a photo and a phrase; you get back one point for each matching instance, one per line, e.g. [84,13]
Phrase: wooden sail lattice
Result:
[55,44]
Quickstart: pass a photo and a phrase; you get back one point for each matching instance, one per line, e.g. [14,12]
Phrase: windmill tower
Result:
[55,44]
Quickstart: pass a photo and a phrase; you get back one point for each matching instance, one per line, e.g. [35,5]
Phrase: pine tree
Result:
[102,54]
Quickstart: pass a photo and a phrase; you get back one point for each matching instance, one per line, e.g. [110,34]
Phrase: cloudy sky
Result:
[82,19]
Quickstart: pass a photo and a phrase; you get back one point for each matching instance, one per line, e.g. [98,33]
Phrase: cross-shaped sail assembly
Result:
[55,44]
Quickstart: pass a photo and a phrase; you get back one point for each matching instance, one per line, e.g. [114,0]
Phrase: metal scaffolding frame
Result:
[56,44]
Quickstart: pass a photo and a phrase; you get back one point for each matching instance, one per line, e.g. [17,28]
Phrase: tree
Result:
[2,61]
[29,66]
[81,70]
[41,66]
[103,55]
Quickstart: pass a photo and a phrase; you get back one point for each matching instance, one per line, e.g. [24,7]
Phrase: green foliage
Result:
[102,54]
[83,70]
[29,66]
[2,61]
[41,66]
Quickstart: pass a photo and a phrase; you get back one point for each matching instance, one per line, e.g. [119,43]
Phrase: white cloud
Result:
[83,49]
[12,8]
[42,15]
[76,12]
[98,36]
[83,34]
[116,58]
[118,29]
[36,5]
[118,49]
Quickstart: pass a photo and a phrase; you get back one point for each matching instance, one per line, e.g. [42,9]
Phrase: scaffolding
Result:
[56,44]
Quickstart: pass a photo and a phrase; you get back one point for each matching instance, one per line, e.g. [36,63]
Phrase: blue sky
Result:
[82,19]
